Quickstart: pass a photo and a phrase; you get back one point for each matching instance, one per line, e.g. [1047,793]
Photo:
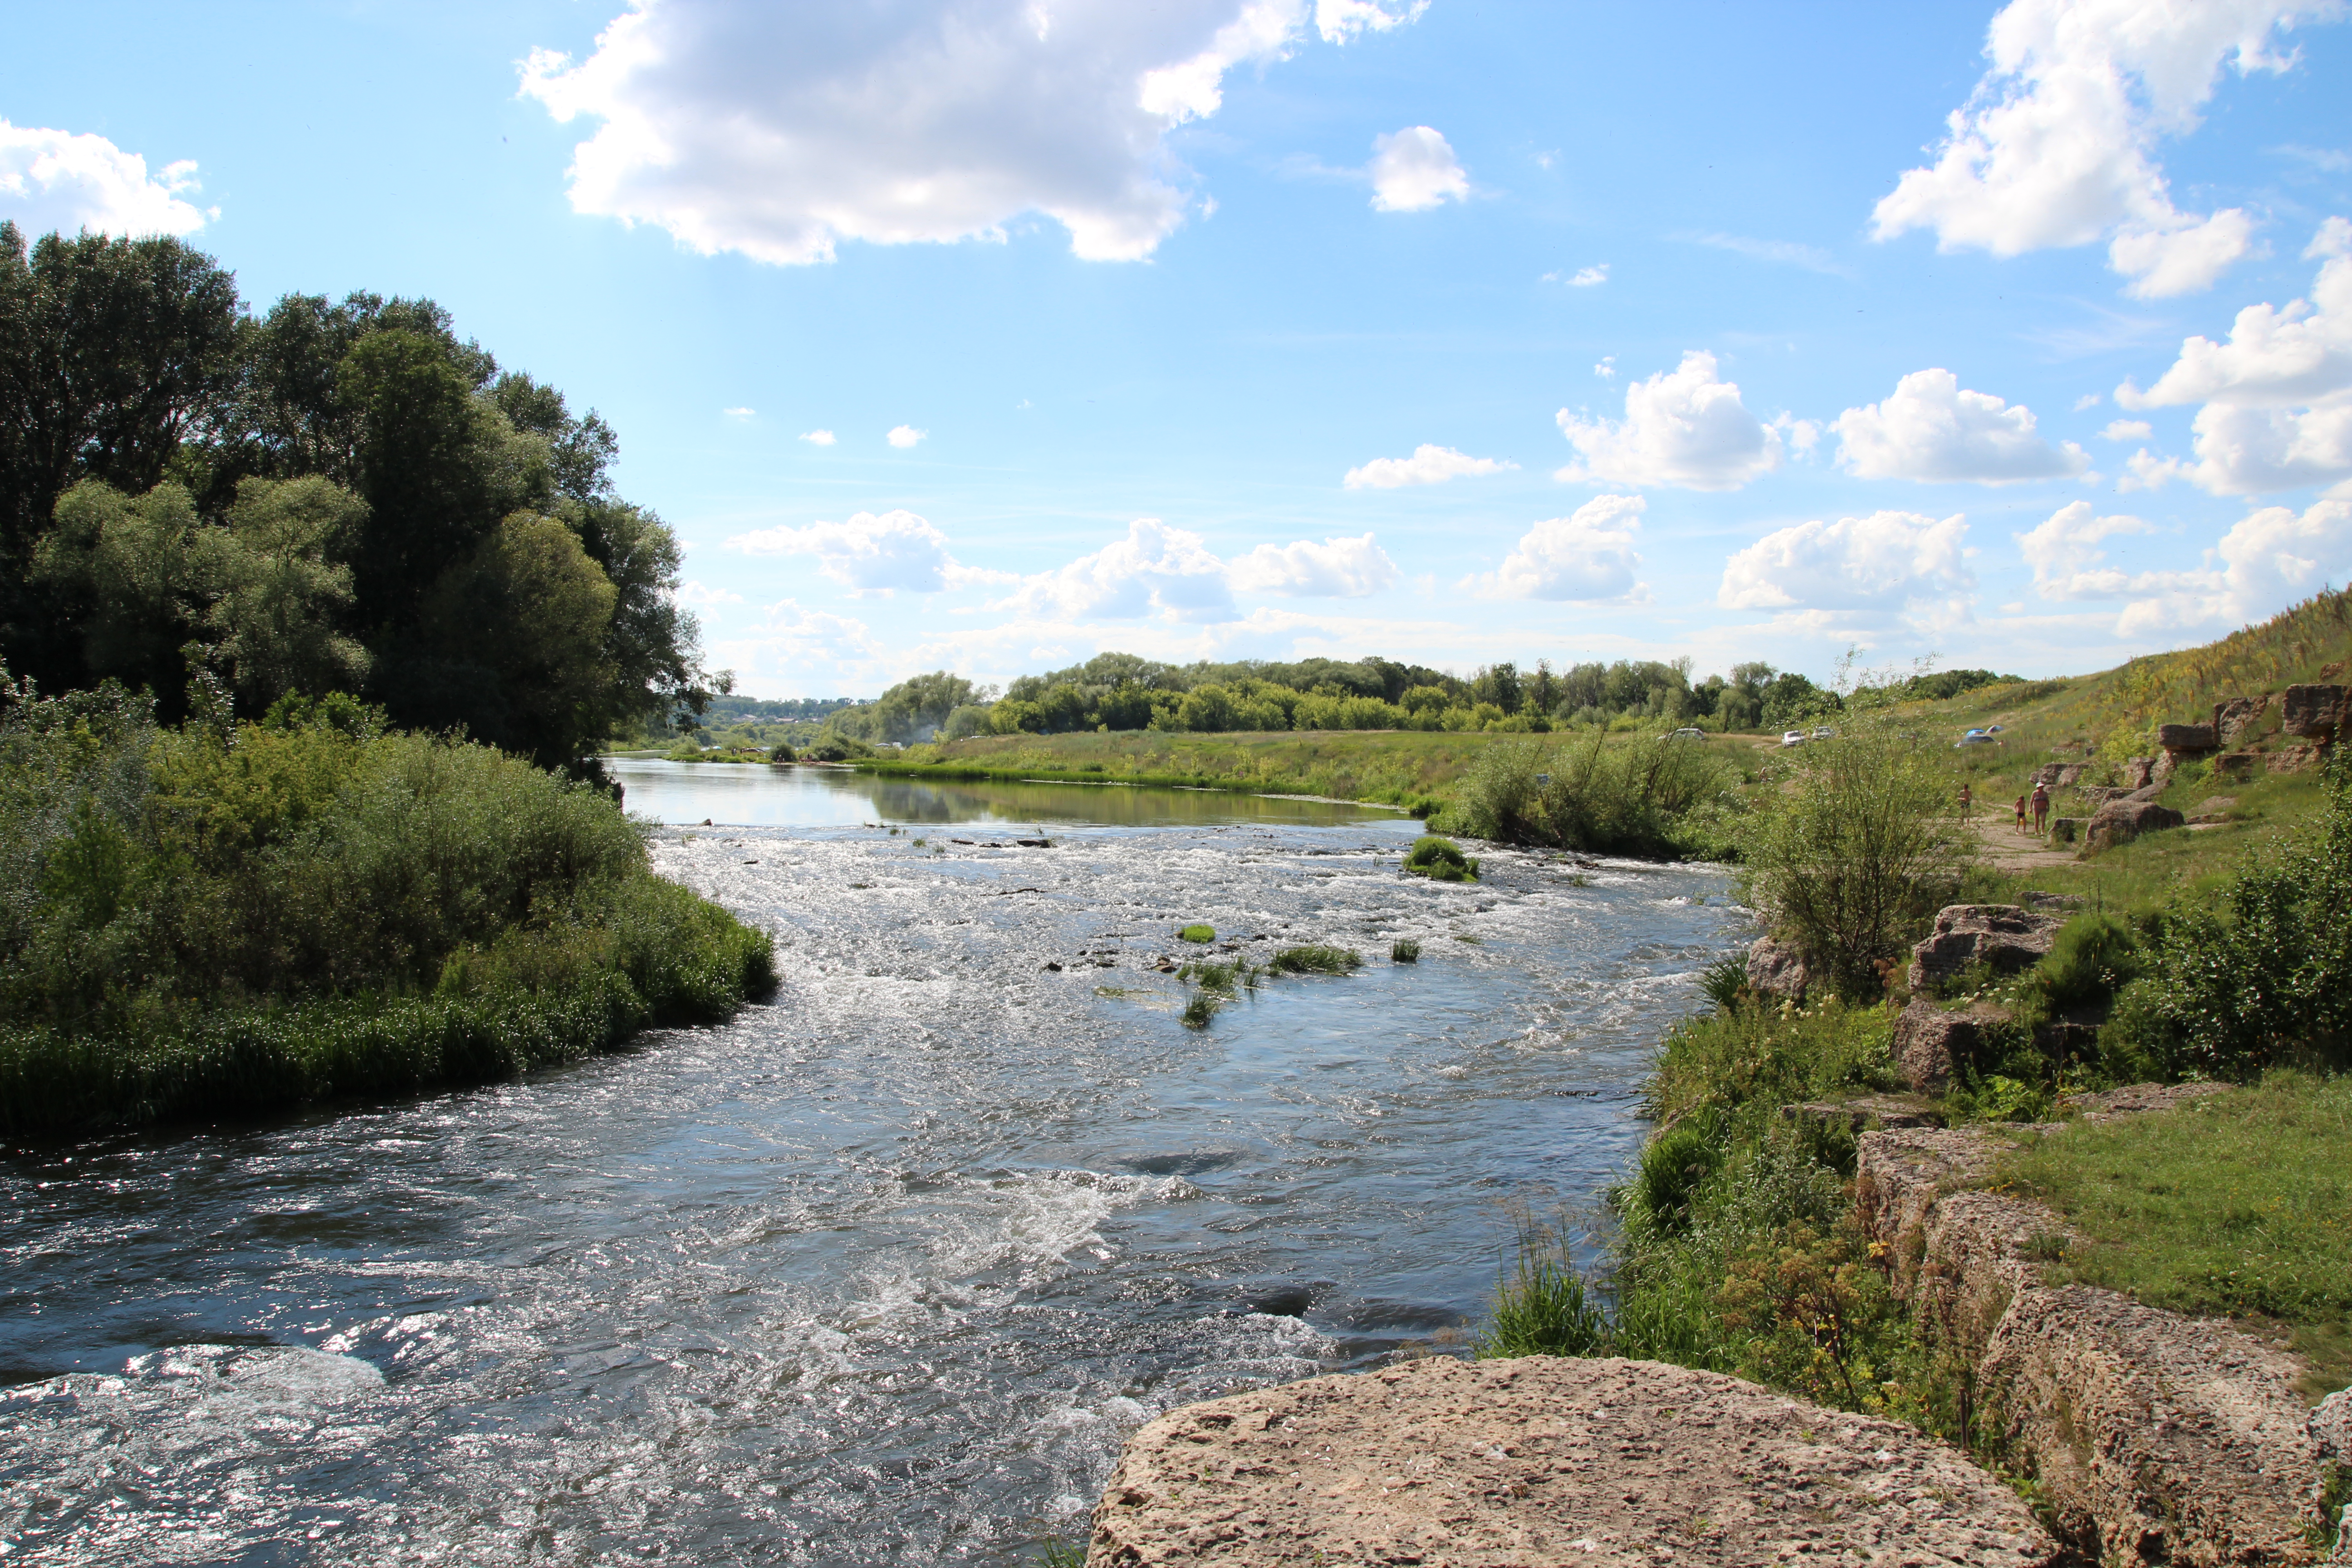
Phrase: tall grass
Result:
[220,918]
[1645,796]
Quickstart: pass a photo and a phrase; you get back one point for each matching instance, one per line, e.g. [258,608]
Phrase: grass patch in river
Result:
[1202,1008]
[1315,959]
[1440,861]
[1198,932]
[1404,949]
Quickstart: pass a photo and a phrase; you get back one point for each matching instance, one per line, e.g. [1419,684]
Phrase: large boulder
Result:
[2293,759]
[2315,712]
[1775,968]
[1931,1044]
[2139,772]
[1539,1461]
[2004,936]
[2121,821]
[2179,738]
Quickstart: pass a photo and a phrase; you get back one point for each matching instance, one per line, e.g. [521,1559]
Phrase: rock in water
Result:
[1540,1461]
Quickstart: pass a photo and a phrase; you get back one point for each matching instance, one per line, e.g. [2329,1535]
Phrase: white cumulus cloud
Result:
[1588,556]
[818,438]
[1931,429]
[2277,395]
[2063,551]
[812,649]
[870,553]
[781,130]
[1429,465]
[2057,146]
[1155,570]
[2267,562]
[1683,427]
[58,180]
[1414,169]
[2127,430]
[1888,564]
[904,435]
[1335,569]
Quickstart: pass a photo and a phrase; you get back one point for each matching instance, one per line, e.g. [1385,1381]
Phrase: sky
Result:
[991,334]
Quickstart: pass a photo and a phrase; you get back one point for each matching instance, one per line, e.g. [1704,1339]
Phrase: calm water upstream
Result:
[881,1273]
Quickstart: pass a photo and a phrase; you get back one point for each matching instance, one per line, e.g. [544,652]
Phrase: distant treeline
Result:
[219,506]
[1122,691]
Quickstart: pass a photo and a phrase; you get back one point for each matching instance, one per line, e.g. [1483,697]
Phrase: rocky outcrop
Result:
[1776,969]
[2313,712]
[1539,1461]
[1931,1044]
[2238,717]
[2067,829]
[2236,767]
[2154,1439]
[2004,936]
[2121,821]
[2189,739]
[2293,759]
[2139,772]
[2140,1098]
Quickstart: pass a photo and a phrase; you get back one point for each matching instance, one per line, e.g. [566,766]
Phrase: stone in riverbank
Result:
[1540,1461]
[2154,1438]
[2003,937]
[1776,969]
[1930,1043]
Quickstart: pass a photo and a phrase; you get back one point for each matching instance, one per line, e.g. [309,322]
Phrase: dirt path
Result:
[2004,847]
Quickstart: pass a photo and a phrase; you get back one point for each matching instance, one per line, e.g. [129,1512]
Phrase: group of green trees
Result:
[326,497]
[1122,691]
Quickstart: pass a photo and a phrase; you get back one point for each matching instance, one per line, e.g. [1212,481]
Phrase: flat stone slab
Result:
[1539,1461]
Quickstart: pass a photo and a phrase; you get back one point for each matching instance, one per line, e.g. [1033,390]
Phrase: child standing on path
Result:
[1965,798]
[2020,814]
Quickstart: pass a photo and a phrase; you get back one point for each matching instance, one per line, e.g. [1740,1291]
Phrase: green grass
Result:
[1439,859]
[1315,959]
[1202,1008]
[1201,933]
[2240,1205]
[1404,949]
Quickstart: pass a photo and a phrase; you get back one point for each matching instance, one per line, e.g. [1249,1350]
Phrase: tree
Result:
[284,592]
[1855,851]
[915,709]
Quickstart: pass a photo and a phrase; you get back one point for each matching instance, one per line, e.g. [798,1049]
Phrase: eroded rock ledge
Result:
[1541,1461]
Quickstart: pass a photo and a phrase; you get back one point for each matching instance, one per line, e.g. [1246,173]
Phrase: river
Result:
[882,1272]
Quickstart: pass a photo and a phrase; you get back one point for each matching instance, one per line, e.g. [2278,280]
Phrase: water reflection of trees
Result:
[900,800]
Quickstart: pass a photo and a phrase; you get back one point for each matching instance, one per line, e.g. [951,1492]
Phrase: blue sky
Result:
[1267,328]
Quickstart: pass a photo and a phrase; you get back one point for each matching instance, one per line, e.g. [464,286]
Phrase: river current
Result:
[881,1272]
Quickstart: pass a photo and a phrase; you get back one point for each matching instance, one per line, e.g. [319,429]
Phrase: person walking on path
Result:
[1965,798]
[2040,809]
[2020,814]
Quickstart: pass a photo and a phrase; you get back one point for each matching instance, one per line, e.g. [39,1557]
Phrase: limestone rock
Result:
[2293,759]
[1541,1461]
[2238,716]
[2140,1098]
[2072,774]
[1898,1176]
[2003,935]
[2236,767]
[2121,821]
[1931,1044]
[2191,738]
[2067,829]
[2314,712]
[2331,1427]
[1887,1109]
[2139,772]
[2156,1439]
[1776,969]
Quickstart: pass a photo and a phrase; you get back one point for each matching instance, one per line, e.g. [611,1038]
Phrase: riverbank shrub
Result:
[217,917]
[1854,853]
[2255,973]
[1439,859]
[1648,795]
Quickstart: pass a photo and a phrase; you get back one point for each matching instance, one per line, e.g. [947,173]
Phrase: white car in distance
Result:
[1793,738]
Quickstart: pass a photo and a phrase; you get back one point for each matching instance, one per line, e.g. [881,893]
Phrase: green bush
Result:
[1201,933]
[1440,861]
[1542,1307]
[1672,1165]
[2094,957]
[215,918]
[1643,796]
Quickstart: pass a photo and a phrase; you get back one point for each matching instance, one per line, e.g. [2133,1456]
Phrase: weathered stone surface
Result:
[2191,738]
[2121,821]
[2236,767]
[2156,1439]
[2072,774]
[2139,772]
[1887,1109]
[1776,969]
[2331,1427]
[2237,717]
[2293,759]
[2139,1098]
[1540,1461]
[2005,936]
[2314,712]
[1931,1044]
